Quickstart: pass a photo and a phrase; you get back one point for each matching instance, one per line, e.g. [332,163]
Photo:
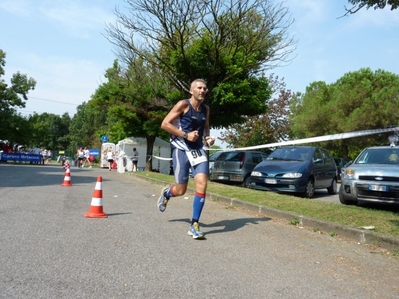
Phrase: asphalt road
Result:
[50,250]
[323,195]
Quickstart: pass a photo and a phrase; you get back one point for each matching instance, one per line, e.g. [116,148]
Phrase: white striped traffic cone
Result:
[67,178]
[96,208]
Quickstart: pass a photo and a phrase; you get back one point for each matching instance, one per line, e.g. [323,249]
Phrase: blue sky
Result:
[61,45]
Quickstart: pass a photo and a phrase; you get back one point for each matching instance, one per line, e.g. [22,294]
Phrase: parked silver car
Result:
[212,158]
[236,166]
[372,177]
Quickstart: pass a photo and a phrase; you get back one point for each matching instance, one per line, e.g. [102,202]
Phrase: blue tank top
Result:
[190,121]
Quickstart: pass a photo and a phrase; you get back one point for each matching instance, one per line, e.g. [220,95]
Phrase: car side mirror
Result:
[318,160]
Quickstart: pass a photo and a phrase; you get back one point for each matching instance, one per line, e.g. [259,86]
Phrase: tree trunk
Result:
[345,153]
[150,149]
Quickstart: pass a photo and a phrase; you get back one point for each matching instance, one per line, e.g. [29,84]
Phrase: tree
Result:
[49,131]
[86,127]
[228,43]
[11,97]
[357,101]
[63,123]
[273,126]
[17,129]
[376,4]
[311,111]
[135,101]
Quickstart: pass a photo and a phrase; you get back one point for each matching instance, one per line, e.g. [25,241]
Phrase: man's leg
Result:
[201,180]
[181,167]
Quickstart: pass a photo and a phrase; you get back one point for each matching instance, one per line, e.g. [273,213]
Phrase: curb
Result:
[358,235]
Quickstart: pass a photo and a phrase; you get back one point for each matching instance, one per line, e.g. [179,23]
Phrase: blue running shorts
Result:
[181,167]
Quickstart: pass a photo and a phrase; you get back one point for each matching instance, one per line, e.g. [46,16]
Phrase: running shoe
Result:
[195,232]
[162,200]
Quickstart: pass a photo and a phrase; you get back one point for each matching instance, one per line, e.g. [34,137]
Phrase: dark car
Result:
[373,177]
[235,166]
[297,169]
[341,162]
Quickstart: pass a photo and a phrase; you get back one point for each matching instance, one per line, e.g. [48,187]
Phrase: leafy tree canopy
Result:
[359,100]
[48,131]
[135,101]
[228,43]
[273,126]
[11,97]
[376,4]
[86,127]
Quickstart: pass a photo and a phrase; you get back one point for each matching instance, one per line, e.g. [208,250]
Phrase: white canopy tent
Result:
[161,149]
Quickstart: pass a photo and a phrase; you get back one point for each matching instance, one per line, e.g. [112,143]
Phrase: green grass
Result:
[385,221]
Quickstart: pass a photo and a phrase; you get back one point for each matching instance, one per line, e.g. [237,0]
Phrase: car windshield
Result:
[379,156]
[290,154]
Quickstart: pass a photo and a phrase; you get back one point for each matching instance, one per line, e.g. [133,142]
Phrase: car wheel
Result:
[309,189]
[345,201]
[333,188]
[245,183]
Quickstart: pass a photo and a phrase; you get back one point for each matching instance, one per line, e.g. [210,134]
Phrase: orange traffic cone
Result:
[67,178]
[96,208]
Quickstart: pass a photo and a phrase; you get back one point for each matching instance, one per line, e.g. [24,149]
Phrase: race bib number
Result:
[196,156]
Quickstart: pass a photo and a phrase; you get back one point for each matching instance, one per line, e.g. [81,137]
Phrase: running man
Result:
[187,123]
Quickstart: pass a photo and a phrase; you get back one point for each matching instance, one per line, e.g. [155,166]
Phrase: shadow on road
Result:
[118,214]
[226,225]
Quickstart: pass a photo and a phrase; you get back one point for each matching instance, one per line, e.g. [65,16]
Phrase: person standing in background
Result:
[48,158]
[44,156]
[135,159]
[110,159]
[80,155]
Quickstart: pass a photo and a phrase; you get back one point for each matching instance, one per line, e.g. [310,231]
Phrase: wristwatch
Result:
[185,135]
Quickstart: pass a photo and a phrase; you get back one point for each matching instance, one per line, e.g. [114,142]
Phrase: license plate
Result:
[378,188]
[270,181]
[221,177]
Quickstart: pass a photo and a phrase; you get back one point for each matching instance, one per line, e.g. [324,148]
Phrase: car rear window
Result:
[230,156]
[214,156]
